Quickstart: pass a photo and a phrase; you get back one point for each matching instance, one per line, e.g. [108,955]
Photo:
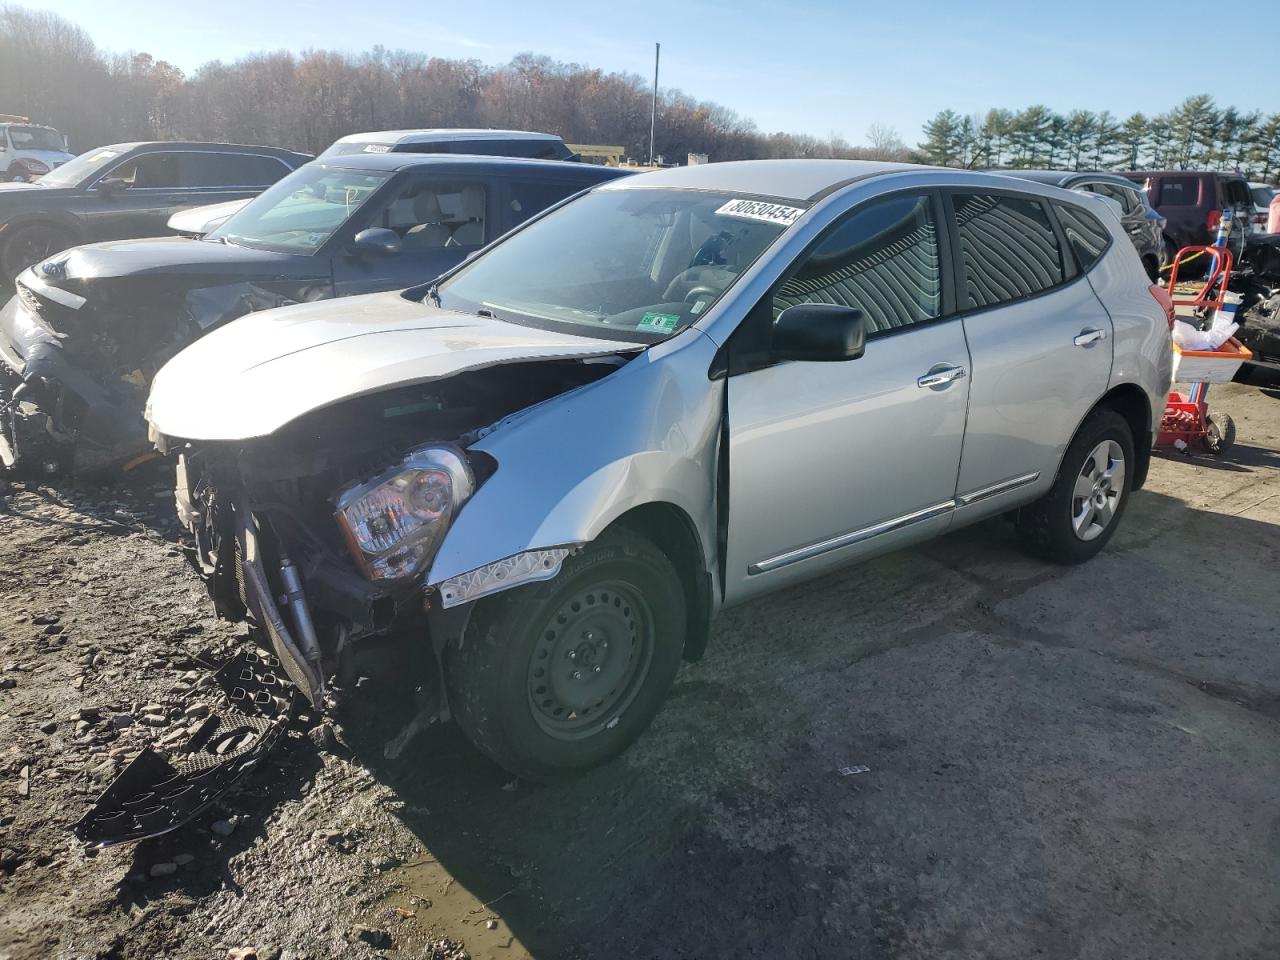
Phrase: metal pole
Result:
[653,114]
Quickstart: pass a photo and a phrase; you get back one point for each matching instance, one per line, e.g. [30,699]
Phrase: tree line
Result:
[51,70]
[1196,134]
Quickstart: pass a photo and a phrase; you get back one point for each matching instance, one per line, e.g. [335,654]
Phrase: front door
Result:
[1040,342]
[149,190]
[440,222]
[830,462]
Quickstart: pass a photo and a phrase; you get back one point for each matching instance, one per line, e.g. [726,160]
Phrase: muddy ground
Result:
[1062,762]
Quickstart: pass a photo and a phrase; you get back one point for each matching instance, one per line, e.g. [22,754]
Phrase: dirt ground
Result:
[1074,763]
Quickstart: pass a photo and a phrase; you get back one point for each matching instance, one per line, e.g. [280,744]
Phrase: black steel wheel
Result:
[554,678]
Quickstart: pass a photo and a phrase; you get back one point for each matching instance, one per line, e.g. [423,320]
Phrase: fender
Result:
[62,220]
[573,465]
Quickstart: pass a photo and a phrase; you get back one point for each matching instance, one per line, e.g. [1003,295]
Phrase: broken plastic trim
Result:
[153,795]
[528,567]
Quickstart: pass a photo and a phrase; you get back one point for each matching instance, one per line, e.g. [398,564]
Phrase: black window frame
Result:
[1070,267]
[732,361]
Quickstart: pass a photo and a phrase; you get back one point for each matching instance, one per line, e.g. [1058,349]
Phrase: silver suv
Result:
[551,468]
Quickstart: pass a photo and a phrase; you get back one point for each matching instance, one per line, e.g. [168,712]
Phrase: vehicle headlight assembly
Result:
[394,523]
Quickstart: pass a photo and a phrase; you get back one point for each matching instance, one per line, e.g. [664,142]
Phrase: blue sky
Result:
[819,67]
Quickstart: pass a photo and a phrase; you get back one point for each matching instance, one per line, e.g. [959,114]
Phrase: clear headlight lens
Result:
[395,522]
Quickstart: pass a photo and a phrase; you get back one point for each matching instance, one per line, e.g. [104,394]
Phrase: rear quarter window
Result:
[1179,192]
[1086,235]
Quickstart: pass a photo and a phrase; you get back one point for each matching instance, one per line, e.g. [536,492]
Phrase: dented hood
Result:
[262,371]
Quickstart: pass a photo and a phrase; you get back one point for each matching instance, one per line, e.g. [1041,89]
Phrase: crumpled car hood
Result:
[165,255]
[262,371]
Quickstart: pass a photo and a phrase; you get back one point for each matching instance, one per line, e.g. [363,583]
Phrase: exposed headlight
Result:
[395,522]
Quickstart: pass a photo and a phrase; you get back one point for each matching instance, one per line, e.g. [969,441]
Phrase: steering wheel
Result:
[698,292]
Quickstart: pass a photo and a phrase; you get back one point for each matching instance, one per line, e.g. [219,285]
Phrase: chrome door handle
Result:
[936,378]
[1086,337]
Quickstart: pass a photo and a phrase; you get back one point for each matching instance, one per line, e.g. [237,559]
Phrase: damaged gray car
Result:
[551,468]
[89,327]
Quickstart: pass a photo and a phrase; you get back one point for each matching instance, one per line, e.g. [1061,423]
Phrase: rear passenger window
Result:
[1087,236]
[1008,248]
[230,170]
[883,259]
[532,197]
[1179,192]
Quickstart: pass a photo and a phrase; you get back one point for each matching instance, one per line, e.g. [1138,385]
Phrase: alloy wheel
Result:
[1098,489]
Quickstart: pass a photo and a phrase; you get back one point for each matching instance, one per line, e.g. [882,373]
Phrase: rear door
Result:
[440,218]
[831,462]
[1040,343]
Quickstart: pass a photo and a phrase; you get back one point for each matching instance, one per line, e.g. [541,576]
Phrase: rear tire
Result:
[1079,514]
[554,678]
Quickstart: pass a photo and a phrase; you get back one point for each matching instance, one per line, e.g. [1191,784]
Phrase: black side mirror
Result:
[378,240]
[113,187]
[818,331]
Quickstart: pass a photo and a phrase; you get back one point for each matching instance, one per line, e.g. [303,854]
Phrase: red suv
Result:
[1192,202]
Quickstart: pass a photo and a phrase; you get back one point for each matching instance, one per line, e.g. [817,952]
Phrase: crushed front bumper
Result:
[53,415]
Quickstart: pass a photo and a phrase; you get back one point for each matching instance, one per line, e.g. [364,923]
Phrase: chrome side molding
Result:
[1004,486]
[848,539]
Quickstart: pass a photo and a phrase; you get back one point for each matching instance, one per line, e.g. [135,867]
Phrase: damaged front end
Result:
[319,535]
[1258,283]
[77,356]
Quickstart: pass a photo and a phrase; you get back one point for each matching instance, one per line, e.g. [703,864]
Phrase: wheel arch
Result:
[1131,402]
[63,223]
[673,532]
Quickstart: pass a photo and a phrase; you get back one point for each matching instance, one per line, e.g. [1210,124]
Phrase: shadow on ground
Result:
[1042,782]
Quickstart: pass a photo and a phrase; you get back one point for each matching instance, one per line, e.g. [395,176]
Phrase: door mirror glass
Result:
[819,331]
[378,240]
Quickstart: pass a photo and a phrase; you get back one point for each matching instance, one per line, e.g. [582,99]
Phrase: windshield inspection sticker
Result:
[759,210]
[658,322]
[376,147]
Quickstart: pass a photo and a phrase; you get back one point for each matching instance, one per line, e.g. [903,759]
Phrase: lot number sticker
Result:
[759,210]
[658,322]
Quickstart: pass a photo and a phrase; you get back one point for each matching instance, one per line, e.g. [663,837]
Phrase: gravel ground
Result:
[1077,763]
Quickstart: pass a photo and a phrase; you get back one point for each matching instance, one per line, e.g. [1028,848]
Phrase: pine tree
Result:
[1133,136]
[941,143]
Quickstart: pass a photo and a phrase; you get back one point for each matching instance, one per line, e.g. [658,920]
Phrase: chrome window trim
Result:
[93,187]
[812,550]
[1002,486]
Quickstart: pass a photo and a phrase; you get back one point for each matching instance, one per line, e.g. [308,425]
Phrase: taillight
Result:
[1161,296]
[1215,218]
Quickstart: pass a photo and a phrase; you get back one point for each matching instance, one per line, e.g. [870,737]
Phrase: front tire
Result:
[29,245]
[1080,513]
[554,678]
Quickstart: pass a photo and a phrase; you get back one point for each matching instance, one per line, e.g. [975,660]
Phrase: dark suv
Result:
[1192,202]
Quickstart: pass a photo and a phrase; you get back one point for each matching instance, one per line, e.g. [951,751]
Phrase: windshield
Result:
[1262,196]
[36,138]
[631,263]
[302,211]
[344,148]
[82,168]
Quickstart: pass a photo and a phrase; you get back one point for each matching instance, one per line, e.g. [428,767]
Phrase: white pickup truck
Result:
[28,149]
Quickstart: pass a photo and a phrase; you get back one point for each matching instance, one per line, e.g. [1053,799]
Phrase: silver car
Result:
[532,484]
